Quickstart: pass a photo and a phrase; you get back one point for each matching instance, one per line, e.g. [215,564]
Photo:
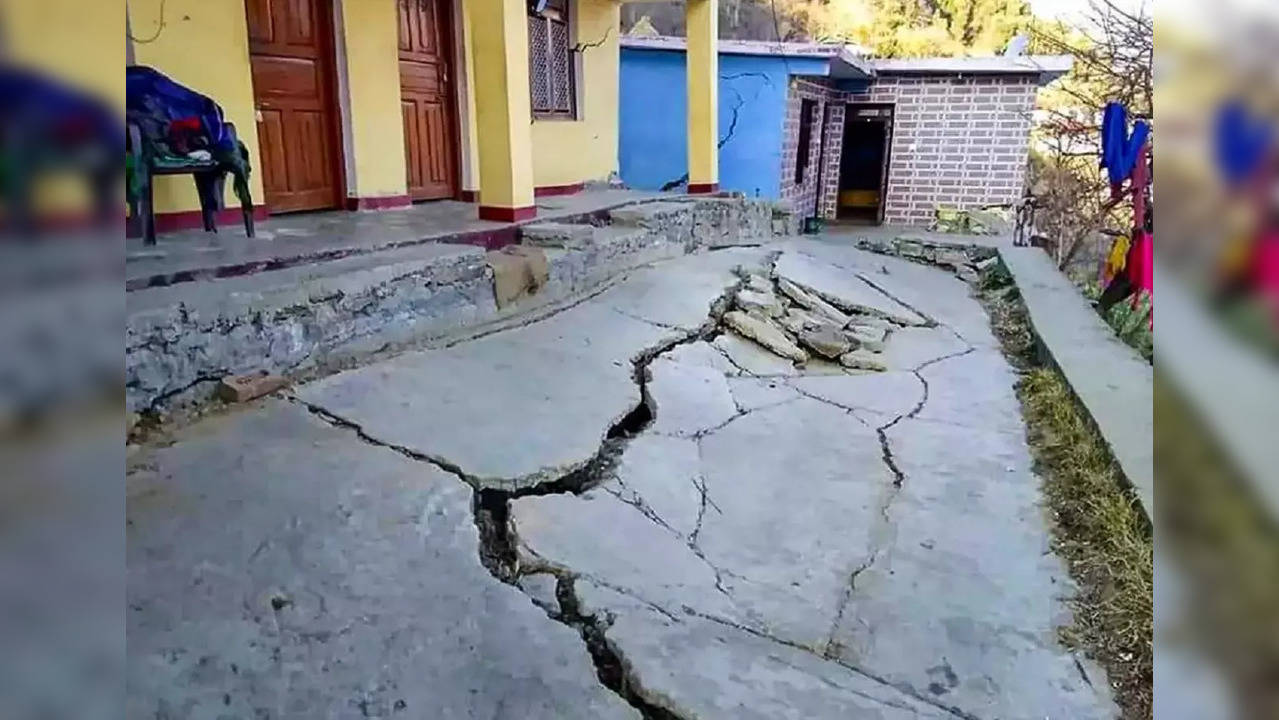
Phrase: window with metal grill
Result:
[550,60]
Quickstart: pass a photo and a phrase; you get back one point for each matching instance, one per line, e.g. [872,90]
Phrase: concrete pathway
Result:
[618,511]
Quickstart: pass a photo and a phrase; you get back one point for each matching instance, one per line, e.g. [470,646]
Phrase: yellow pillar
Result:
[503,116]
[701,18]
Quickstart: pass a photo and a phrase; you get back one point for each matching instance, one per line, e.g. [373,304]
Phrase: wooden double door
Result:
[295,92]
[426,98]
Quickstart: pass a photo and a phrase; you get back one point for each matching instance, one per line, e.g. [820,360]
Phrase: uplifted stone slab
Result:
[687,399]
[842,288]
[696,667]
[766,334]
[863,360]
[280,566]
[870,337]
[825,342]
[512,409]
[762,303]
[811,302]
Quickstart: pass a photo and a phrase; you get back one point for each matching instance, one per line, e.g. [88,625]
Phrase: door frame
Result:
[450,54]
[329,43]
[850,115]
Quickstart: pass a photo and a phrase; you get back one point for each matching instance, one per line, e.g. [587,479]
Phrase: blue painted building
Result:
[753,84]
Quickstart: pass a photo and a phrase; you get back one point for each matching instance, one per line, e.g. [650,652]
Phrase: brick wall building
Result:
[836,133]
[956,139]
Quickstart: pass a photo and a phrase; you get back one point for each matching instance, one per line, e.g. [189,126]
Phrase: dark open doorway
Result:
[863,165]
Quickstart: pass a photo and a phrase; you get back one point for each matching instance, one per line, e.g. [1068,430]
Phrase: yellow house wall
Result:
[375,125]
[205,46]
[80,43]
[500,57]
[573,151]
[471,148]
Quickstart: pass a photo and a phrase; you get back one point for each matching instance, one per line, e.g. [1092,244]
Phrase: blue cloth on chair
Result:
[153,96]
[1118,149]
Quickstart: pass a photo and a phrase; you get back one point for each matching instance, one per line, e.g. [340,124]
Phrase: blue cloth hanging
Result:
[1118,149]
[1241,142]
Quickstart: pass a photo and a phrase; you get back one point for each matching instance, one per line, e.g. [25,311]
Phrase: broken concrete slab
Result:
[842,288]
[765,333]
[811,302]
[751,358]
[678,293]
[345,561]
[691,666]
[752,393]
[545,395]
[797,459]
[973,390]
[886,394]
[663,473]
[702,354]
[687,399]
[825,342]
[969,584]
[909,348]
[637,555]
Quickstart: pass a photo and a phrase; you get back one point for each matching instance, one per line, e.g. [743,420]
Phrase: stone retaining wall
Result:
[180,339]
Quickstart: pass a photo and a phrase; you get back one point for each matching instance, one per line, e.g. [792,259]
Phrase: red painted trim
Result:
[378,203]
[505,214]
[702,188]
[468,195]
[550,190]
[193,220]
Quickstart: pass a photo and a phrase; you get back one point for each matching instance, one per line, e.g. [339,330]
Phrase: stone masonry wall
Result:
[957,141]
[179,339]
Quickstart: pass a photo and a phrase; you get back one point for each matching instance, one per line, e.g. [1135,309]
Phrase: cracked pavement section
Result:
[529,405]
[279,567]
[687,525]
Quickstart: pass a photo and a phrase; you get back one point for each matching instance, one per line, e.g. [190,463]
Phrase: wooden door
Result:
[426,99]
[290,50]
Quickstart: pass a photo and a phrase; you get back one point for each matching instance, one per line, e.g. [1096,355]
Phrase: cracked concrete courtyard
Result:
[621,509]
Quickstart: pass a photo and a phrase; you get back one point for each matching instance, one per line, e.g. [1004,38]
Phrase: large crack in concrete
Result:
[499,542]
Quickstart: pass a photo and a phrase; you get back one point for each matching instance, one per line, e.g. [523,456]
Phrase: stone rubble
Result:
[765,333]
